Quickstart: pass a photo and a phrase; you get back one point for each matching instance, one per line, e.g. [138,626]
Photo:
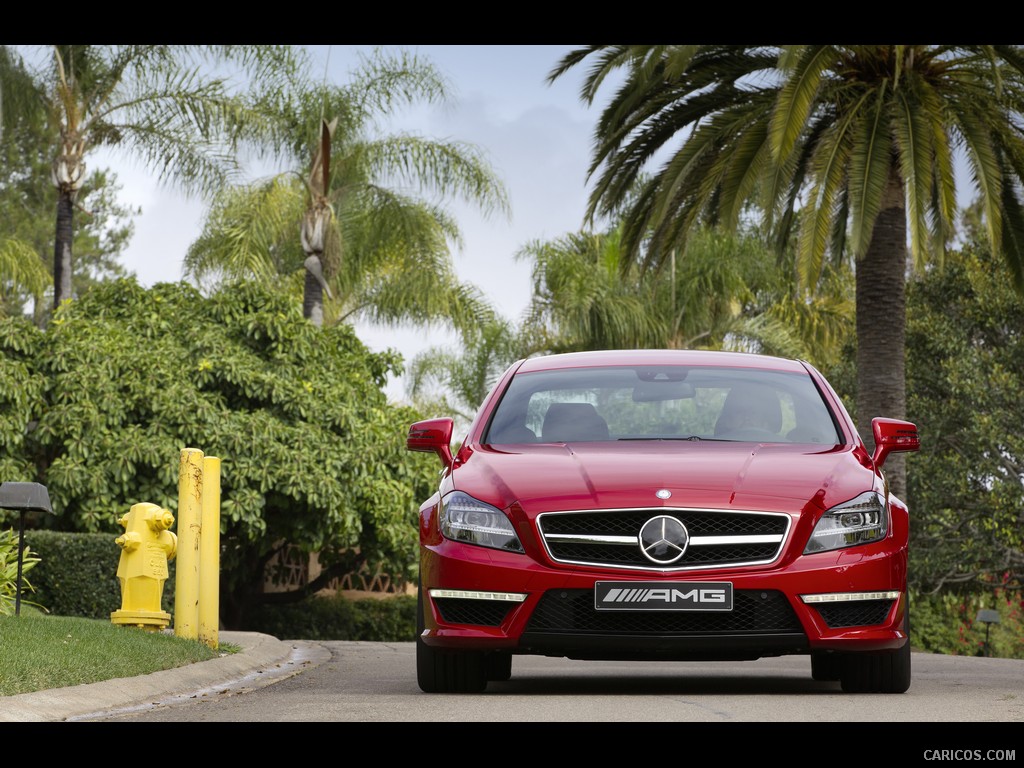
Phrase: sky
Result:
[535,135]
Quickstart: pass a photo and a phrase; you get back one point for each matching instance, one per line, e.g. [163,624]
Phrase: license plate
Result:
[663,596]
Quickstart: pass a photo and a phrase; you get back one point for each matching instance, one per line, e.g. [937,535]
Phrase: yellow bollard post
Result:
[209,555]
[186,577]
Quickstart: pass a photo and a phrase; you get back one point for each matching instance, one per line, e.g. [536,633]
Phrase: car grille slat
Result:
[609,538]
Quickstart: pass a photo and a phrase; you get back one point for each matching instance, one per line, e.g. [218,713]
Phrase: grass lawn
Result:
[39,652]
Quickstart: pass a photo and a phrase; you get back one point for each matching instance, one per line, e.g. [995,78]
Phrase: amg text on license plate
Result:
[663,596]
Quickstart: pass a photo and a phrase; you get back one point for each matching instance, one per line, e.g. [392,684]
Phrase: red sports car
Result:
[663,505]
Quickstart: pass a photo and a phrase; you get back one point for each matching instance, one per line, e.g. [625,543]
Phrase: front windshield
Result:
[662,403]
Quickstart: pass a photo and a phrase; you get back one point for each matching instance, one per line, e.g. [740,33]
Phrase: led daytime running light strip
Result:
[464,594]
[845,597]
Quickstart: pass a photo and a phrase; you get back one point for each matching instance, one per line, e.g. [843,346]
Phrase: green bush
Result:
[389,619]
[77,574]
[947,623]
[9,592]
[99,407]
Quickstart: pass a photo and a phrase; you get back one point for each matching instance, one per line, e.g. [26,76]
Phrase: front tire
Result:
[499,666]
[826,666]
[881,672]
[446,671]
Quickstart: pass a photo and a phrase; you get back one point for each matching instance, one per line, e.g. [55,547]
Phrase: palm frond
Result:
[1012,245]
[445,168]
[387,80]
[803,71]
[913,133]
[830,165]
[986,172]
[249,232]
[21,269]
[870,166]
[611,58]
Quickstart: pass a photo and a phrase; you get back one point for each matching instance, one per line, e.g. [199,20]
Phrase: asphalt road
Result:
[361,682]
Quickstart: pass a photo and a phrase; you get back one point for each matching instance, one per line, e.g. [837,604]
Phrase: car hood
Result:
[721,475]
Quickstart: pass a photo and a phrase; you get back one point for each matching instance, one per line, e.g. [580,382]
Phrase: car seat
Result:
[746,403]
[571,422]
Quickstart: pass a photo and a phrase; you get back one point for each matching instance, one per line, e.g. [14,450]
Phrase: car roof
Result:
[612,357]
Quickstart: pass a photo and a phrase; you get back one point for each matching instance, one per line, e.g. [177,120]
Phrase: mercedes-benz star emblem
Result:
[663,539]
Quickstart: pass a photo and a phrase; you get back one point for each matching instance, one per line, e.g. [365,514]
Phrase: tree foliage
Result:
[852,144]
[454,382]
[386,251]
[965,341]
[965,392]
[728,292]
[183,111]
[313,456]
[27,204]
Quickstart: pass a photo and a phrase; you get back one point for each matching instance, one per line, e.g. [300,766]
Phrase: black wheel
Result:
[826,666]
[879,672]
[499,666]
[446,671]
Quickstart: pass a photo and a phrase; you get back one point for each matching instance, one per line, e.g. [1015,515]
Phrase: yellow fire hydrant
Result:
[146,549]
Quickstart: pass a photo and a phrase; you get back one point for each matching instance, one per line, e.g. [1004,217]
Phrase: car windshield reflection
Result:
[635,403]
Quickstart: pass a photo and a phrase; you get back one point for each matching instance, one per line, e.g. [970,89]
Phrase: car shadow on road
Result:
[648,685]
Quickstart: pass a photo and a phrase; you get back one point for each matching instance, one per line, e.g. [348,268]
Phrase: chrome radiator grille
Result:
[713,538]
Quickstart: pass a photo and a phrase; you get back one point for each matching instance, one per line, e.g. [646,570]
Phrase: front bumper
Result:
[847,600]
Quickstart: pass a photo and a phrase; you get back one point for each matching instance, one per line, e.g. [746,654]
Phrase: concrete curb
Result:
[262,660]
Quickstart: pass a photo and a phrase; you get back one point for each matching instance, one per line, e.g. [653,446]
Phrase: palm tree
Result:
[27,207]
[369,248]
[315,226]
[726,294]
[455,382]
[850,147]
[159,103]
[587,295]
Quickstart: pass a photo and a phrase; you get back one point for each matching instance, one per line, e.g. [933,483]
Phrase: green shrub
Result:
[125,377]
[9,543]
[77,574]
[389,619]
[947,623]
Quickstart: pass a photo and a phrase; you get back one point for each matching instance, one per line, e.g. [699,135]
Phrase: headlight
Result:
[465,519]
[858,521]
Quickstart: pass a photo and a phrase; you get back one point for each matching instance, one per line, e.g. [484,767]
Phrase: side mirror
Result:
[433,436]
[893,435]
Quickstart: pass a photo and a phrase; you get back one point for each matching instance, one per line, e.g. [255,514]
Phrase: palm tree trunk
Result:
[313,301]
[881,326]
[62,248]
